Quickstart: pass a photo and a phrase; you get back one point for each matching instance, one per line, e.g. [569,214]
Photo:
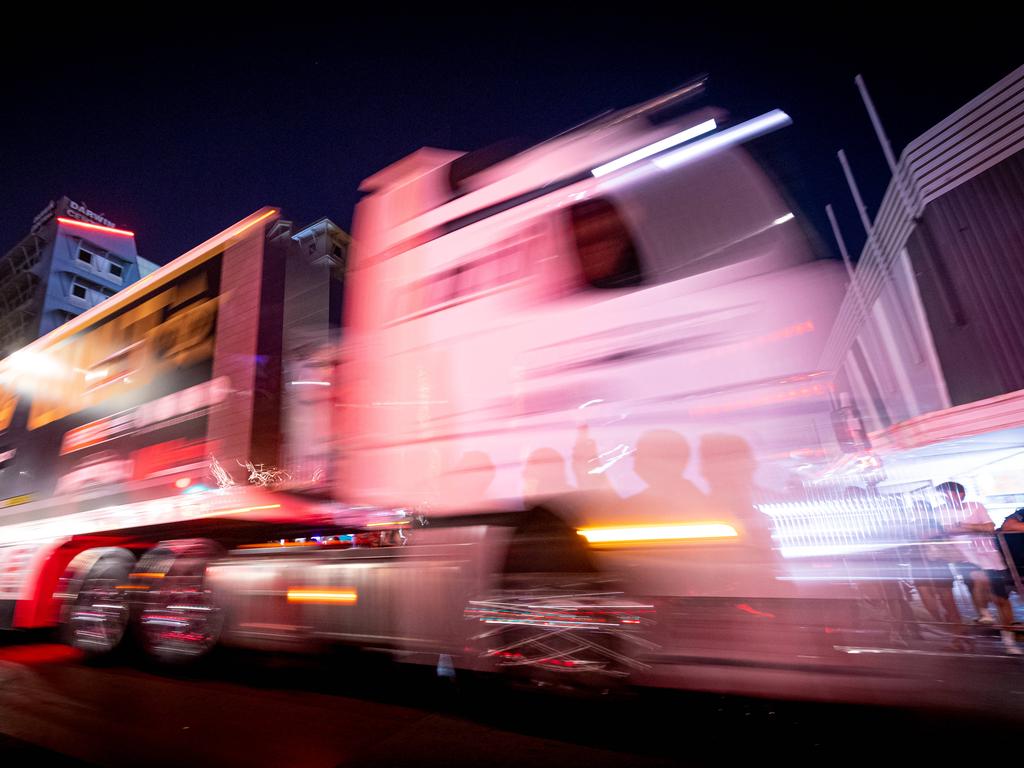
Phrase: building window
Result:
[61,316]
[604,246]
[78,291]
[84,256]
[116,270]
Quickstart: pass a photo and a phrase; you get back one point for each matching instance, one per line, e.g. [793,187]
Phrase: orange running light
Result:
[672,532]
[323,595]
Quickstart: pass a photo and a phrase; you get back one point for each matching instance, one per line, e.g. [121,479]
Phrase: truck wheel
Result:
[96,613]
[555,622]
[180,622]
[568,640]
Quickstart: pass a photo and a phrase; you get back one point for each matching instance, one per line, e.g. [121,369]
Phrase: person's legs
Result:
[962,641]
[981,594]
[944,593]
[1001,597]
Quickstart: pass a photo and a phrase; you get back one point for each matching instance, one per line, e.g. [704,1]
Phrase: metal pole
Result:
[855,287]
[862,210]
[890,158]
[914,206]
[846,259]
[865,220]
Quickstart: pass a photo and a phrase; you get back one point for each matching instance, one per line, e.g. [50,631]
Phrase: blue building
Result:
[72,259]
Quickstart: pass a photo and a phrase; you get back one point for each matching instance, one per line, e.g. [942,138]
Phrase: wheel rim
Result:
[185,625]
[570,642]
[99,617]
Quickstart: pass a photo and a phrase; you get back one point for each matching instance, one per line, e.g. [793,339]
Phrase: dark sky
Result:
[177,129]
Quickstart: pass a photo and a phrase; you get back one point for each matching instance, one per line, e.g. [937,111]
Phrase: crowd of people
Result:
[945,540]
[948,539]
[957,538]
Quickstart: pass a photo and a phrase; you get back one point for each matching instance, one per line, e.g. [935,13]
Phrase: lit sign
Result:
[172,457]
[67,207]
[164,510]
[82,213]
[193,399]
[171,329]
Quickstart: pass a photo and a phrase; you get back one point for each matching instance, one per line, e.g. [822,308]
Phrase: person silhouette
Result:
[728,466]
[544,475]
[660,459]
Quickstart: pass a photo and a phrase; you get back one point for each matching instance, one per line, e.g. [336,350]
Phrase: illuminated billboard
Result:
[121,403]
[134,398]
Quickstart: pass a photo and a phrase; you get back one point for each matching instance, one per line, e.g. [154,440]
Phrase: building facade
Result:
[927,344]
[71,259]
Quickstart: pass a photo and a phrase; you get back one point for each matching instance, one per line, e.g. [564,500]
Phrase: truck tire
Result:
[554,622]
[179,621]
[555,637]
[96,612]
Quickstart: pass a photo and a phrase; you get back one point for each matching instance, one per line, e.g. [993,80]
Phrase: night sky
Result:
[176,130]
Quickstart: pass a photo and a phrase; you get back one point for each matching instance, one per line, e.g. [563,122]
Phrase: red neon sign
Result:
[87,225]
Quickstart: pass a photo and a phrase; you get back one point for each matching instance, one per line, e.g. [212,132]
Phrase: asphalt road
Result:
[357,710]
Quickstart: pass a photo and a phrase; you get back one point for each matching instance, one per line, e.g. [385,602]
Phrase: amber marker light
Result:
[323,595]
[636,534]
